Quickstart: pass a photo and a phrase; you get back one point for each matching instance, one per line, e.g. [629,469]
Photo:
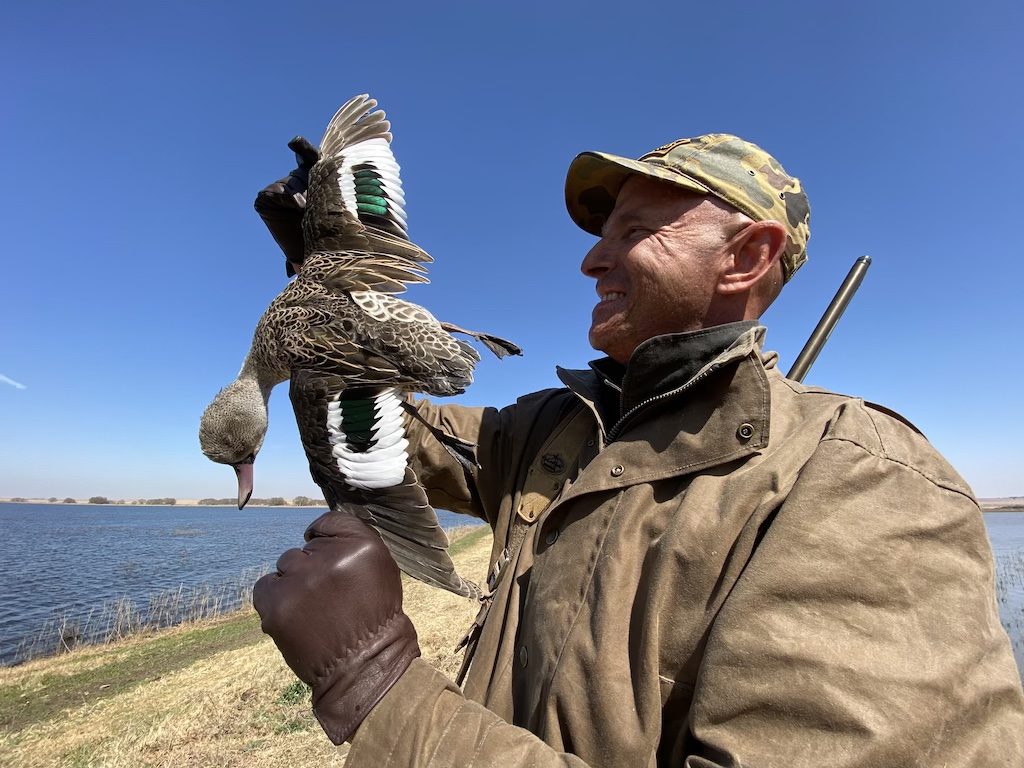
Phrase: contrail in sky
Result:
[12,382]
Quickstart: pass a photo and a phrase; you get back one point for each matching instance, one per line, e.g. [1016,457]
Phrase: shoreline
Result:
[127,503]
[999,504]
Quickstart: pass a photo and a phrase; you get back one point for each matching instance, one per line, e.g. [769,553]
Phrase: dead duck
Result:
[340,320]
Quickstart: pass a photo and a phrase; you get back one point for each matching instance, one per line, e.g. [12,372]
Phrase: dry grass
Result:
[214,693]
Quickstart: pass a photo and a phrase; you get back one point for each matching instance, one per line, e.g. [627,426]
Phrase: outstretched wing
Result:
[398,510]
[355,204]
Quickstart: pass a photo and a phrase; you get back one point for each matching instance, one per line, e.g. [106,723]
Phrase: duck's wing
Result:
[355,206]
[365,472]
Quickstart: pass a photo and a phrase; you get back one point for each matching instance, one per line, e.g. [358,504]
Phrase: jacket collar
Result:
[664,363]
[658,366]
[714,410]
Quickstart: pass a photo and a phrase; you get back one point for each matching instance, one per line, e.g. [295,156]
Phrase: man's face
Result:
[656,265]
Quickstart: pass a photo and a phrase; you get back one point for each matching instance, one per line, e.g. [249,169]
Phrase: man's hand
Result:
[334,609]
[281,204]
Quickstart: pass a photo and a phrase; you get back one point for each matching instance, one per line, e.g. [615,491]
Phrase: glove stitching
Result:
[361,642]
[350,724]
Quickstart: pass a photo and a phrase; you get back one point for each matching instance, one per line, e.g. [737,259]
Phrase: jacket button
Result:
[745,432]
[617,470]
[523,657]
[590,443]
[552,536]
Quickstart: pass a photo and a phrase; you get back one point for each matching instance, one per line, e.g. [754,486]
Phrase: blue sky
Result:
[136,135]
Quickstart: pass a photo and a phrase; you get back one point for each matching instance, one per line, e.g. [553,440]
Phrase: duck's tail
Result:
[499,346]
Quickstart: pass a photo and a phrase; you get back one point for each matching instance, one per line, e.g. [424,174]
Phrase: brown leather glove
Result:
[334,609]
[281,204]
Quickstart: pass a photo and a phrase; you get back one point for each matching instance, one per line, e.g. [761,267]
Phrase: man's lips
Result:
[609,303]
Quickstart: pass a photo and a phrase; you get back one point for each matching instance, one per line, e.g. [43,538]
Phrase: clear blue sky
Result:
[135,136]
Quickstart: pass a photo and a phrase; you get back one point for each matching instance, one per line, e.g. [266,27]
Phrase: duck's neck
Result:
[252,375]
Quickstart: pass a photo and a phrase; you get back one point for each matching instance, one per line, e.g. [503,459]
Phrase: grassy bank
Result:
[209,693]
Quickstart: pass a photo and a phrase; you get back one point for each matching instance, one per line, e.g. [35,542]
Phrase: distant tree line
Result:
[273,501]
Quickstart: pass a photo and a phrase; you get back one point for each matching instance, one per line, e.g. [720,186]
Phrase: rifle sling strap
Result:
[554,467]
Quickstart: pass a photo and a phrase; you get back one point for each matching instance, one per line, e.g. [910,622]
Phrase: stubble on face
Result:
[656,265]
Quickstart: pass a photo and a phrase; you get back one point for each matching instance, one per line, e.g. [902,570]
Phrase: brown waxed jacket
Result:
[750,572]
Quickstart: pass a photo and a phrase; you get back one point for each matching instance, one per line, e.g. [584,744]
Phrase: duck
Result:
[354,351]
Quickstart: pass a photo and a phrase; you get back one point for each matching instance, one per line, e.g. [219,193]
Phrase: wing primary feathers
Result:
[354,122]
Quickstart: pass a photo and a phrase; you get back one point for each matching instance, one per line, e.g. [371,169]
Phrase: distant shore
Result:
[1005,504]
[139,503]
[1002,504]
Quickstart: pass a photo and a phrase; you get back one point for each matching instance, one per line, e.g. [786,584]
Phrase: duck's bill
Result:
[244,473]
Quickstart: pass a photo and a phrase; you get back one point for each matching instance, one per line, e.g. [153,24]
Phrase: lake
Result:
[75,560]
[87,565]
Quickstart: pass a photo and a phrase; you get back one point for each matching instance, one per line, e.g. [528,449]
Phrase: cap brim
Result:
[594,179]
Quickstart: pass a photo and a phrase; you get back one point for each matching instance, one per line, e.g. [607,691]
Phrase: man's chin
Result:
[609,345]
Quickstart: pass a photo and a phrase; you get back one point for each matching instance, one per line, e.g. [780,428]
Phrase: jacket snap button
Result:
[617,470]
[552,536]
[590,443]
[523,658]
[745,432]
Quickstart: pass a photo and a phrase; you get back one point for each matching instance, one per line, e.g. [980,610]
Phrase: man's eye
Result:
[635,232]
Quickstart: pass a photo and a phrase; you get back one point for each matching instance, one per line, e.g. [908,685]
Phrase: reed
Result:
[124,617]
[1010,594]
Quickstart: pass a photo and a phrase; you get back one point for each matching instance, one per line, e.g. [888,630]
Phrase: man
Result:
[697,562]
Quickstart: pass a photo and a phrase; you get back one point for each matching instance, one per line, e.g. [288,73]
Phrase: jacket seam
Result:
[686,468]
[933,480]
[874,427]
[391,753]
[444,733]
[480,743]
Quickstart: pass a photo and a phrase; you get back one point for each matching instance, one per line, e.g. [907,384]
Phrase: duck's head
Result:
[232,431]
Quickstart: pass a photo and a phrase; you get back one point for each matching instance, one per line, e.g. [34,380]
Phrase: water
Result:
[1006,532]
[67,560]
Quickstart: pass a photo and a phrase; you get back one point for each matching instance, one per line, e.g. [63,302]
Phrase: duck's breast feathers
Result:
[356,183]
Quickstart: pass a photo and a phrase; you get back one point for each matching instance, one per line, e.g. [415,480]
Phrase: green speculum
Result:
[357,421]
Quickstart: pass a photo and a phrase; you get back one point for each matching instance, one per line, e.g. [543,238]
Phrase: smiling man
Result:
[696,562]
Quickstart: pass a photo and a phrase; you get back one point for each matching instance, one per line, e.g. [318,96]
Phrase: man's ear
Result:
[754,250]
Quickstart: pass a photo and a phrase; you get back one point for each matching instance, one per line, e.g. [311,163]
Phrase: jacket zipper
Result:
[617,428]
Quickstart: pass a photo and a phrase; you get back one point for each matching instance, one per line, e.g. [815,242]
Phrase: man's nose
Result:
[598,260]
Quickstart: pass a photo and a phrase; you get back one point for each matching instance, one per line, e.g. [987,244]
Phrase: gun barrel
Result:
[828,321]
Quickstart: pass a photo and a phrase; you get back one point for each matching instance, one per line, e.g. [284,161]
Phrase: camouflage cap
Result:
[736,171]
